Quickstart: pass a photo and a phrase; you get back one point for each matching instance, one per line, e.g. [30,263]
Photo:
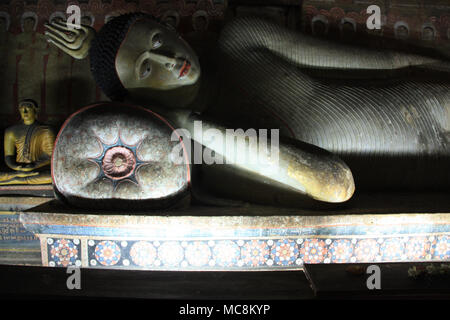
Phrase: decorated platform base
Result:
[40,190]
[373,228]
[18,203]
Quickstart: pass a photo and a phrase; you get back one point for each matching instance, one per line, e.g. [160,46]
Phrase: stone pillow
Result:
[119,157]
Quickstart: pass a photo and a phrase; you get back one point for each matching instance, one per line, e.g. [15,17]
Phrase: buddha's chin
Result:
[188,80]
[179,96]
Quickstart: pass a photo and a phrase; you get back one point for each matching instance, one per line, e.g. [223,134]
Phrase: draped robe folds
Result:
[393,131]
[34,144]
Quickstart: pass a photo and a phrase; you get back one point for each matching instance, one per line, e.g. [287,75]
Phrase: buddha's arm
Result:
[46,142]
[47,139]
[10,150]
[45,161]
[303,168]
[42,163]
[10,153]
[304,51]
[17,48]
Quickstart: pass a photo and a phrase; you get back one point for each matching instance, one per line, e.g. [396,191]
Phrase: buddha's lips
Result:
[185,69]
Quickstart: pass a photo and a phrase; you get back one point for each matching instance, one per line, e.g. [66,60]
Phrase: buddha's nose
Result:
[167,61]
[163,59]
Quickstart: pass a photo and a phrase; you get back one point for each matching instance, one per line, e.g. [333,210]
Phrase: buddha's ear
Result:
[36,111]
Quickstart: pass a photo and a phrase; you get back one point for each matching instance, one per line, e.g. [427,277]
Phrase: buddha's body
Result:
[28,149]
[393,132]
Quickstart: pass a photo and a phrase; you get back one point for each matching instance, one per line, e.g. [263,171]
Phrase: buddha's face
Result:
[154,57]
[348,29]
[319,28]
[28,25]
[428,34]
[27,113]
[200,23]
[402,32]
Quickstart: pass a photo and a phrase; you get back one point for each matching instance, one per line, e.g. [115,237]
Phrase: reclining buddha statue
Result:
[351,101]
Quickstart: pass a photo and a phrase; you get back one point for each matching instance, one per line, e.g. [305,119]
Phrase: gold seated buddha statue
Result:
[28,149]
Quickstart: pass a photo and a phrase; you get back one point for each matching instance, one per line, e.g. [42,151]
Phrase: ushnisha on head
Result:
[29,22]
[131,55]
[29,110]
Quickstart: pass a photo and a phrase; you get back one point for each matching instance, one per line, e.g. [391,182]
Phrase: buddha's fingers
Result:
[69,27]
[74,42]
[77,54]
[78,43]
[74,45]
[81,31]
[7,177]
[25,175]
[60,33]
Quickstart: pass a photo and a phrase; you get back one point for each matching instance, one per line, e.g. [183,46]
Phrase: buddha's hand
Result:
[70,38]
[26,174]
[34,165]
[25,168]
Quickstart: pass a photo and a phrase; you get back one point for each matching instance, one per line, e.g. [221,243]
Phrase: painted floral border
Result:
[238,254]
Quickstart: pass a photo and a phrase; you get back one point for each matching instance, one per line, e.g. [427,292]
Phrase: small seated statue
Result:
[28,149]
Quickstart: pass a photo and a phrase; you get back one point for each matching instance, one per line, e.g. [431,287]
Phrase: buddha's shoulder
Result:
[20,129]
[42,128]
[14,129]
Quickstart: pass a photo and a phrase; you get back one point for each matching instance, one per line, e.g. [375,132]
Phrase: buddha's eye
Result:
[156,41]
[145,69]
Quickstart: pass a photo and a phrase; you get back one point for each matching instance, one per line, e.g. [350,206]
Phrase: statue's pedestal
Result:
[39,190]
[372,228]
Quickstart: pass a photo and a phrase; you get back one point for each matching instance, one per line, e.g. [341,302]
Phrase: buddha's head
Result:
[135,56]
[29,24]
[200,21]
[402,32]
[319,28]
[28,111]
[171,19]
[348,30]
[428,34]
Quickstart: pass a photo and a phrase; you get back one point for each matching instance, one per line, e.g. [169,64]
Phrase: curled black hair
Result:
[29,101]
[103,53]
